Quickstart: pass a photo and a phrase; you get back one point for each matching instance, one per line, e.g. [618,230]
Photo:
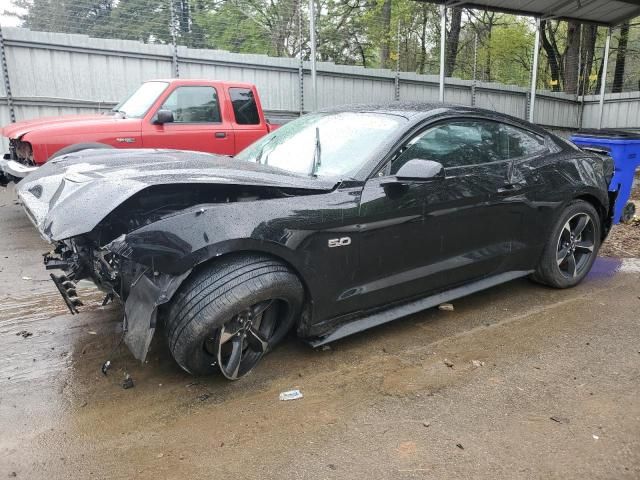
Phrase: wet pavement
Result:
[553,391]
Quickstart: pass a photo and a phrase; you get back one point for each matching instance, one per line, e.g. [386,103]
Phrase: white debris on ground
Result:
[290,395]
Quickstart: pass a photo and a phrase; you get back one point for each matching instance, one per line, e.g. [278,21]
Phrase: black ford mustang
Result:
[336,222]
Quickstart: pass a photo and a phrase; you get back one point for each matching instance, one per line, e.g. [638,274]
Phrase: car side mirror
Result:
[164,116]
[417,171]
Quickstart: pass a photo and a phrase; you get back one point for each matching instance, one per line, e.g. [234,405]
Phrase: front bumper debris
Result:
[65,283]
[67,289]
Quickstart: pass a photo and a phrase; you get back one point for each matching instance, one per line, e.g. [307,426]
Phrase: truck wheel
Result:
[76,148]
[231,312]
[572,247]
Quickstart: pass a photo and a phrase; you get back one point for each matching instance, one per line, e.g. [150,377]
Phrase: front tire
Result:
[572,247]
[231,312]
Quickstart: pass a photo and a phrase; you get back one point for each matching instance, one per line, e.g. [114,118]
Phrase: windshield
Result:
[141,100]
[327,144]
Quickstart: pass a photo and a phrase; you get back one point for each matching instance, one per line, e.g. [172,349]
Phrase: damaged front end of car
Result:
[141,289]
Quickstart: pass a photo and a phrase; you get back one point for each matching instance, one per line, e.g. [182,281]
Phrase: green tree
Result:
[67,16]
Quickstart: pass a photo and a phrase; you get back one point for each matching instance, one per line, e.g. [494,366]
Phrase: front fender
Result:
[177,243]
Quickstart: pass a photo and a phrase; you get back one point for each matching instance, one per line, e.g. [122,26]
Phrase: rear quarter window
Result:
[245,109]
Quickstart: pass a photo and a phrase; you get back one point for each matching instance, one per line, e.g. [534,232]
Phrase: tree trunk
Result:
[552,55]
[453,38]
[489,27]
[600,71]
[385,48]
[571,58]
[588,51]
[621,58]
[423,41]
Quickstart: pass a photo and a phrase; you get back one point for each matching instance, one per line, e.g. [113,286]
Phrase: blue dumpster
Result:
[624,148]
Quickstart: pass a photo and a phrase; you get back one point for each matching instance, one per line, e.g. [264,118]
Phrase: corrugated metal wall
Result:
[621,110]
[55,74]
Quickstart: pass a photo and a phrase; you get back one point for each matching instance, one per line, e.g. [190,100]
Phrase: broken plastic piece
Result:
[105,367]
[128,382]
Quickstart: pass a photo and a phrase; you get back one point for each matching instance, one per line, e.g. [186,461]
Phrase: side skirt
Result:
[410,308]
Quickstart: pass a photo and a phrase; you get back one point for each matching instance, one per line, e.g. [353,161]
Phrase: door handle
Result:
[221,135]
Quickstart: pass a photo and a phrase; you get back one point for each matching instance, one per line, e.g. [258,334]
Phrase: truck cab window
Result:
[244,106]
[193,105]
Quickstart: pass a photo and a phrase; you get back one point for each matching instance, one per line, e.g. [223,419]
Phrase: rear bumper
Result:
[15,170]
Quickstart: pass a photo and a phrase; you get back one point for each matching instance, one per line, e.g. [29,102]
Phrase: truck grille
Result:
[21,152]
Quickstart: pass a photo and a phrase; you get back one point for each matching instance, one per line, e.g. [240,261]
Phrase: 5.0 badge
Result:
[339,242]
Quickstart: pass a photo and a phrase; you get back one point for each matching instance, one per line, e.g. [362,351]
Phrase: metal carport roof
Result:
[602,12]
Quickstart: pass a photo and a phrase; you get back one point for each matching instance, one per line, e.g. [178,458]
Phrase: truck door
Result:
[197,123]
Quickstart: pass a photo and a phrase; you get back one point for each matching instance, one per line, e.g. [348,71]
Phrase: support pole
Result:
[314,77]
[443,36]
[301,64]
[534,72]
[397,82]
[579,62]
[475,70]
[603,81]
[5,76]
[174,56]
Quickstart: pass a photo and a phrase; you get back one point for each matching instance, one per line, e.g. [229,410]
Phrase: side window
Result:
[194,105]
[453,144]
[468,142]
[516,143]
[244,106]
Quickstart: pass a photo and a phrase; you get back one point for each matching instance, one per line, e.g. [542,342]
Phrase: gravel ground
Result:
[518,382]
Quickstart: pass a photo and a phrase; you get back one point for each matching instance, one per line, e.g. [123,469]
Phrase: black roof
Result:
[415,111]
[406,109]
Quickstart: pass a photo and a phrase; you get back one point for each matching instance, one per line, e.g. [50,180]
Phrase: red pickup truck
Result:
[202,115]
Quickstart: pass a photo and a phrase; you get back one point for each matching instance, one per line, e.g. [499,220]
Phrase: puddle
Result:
[605,267]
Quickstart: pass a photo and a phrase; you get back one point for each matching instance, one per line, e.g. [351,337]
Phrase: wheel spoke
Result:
[571,265]
[233,363]
[562,255]
[584,246]
[256,341]
[242,341]
[583,221]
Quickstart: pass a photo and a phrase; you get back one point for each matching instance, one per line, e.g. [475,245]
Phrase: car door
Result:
[417,238]
[197,122]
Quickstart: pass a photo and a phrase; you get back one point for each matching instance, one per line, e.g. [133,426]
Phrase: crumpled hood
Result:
[70,195]
[18,129]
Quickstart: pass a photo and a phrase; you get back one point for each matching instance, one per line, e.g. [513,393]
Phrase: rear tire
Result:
[572,247]
[231,312]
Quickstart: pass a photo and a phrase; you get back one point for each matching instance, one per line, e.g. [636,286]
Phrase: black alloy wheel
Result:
[240,343]
[576,245]
[572,246]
